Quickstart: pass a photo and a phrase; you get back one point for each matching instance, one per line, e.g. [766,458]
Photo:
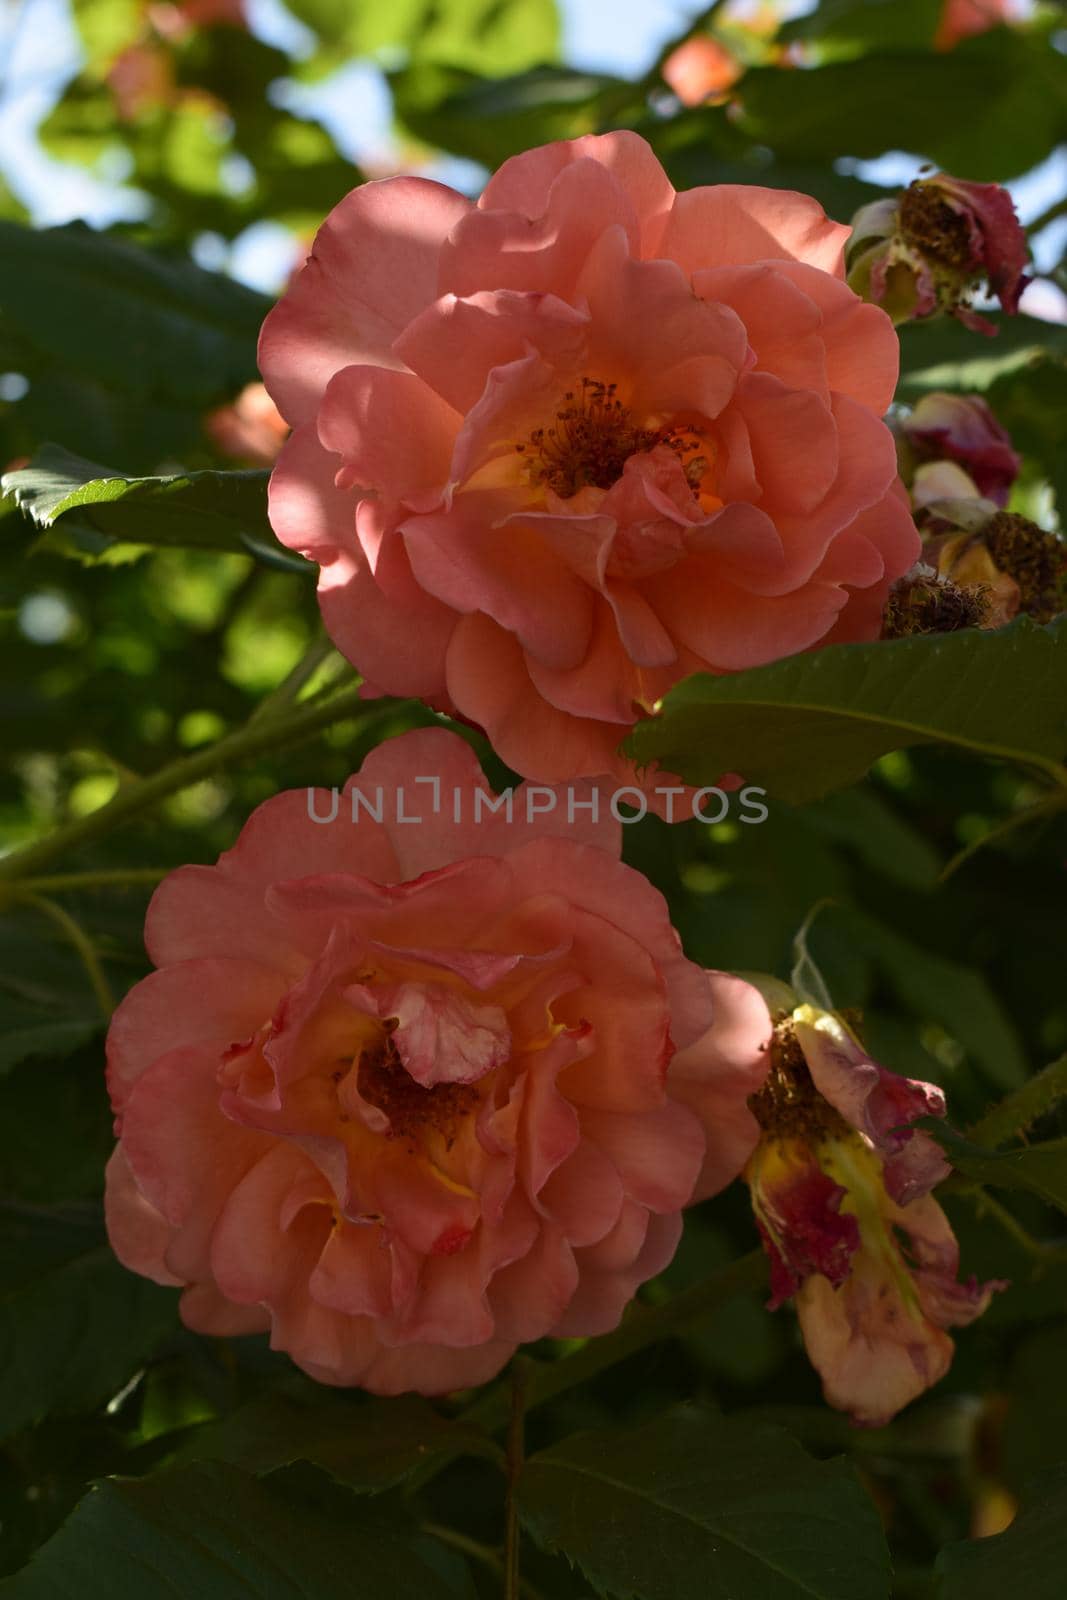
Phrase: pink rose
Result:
[701,68]
[402,1091]
[840,1184]
[556,450]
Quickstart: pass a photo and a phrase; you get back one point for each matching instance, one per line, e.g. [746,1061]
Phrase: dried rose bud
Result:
[974,541]
[924,252]
[924,601]
[840,1185]
[961,428]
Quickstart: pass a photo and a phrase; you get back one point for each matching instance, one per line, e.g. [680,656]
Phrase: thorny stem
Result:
[79,939]
[287,727]
[987,1205]
[516,1450]
[1020,1109]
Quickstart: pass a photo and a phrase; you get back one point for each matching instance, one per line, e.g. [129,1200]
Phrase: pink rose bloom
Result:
[701,68]
[963,19]
[961,428]
[556,450]
[403,1093]
[840,1186]
[924,252]
[249,429]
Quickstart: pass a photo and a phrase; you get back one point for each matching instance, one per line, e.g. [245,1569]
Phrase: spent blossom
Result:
[840,1185]
[961,428]
[924,252]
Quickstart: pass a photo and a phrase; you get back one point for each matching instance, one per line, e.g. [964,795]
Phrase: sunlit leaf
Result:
[812,723]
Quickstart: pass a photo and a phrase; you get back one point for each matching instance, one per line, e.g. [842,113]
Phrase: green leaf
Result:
[813,723]
[943,354]
[1039,1169]
[1030,402]
[57,1130]
[153,325]
[692,1505]
[1029,1559]
[990,109]
[862,820]
[368,1446]
[217,1534]
[937,989]
[489,119]
[47,1005]
[196,510]
[74,1324]
[494,37]
[854,26]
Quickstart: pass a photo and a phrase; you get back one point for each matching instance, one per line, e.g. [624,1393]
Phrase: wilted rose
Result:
[925,251]
[840,1186]
[961,428]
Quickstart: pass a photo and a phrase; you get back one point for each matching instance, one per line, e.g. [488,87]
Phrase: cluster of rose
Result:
[409,1096]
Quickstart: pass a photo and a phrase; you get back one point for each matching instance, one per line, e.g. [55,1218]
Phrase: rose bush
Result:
[555,450]
[405,1094]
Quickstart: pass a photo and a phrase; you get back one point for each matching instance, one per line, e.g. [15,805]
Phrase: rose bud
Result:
[840,1185]
[961,428]
[924,252]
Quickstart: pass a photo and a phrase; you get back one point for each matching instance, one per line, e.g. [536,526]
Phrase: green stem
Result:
[1047,806]
[254,739]
[1020,1109]
[105,878]
[477,1551]
[1054,211]
[987,1205]
[516,1452]
[318,652]
[642,1327]
[77,936]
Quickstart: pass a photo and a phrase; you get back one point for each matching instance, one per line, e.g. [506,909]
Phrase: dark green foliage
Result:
[148,613]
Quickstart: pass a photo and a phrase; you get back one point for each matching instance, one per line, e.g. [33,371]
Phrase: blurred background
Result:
[163,169]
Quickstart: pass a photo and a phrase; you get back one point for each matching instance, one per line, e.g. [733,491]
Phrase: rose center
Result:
[788,1105]
[933,226]
[591,440]
[412,1108]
